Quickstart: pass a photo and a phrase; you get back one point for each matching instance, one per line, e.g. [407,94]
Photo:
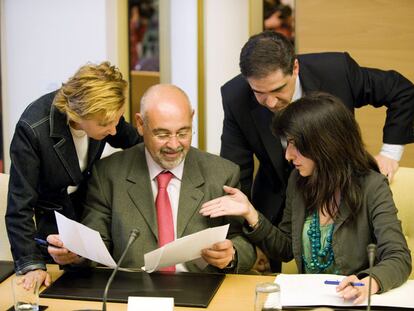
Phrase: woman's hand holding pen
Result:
[358,293]
[59,253]
[235,203]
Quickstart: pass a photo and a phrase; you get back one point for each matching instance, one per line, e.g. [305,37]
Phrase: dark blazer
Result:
[376,222]
[120,198]
[43,164]
[246,126]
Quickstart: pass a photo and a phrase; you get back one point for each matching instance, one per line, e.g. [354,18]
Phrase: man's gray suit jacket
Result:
[120,199]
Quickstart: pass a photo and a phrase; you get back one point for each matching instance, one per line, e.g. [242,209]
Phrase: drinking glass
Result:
[25,299]
[267,297]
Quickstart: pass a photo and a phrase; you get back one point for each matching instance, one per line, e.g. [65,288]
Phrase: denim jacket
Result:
[43,164]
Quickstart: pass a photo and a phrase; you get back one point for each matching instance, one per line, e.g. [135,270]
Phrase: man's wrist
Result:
[392,151]
[233,263]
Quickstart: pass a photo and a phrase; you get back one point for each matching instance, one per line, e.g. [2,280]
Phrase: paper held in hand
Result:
[311,290]
[88,243]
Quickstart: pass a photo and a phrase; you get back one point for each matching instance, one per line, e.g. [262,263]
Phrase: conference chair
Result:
[5,253]
[403,194]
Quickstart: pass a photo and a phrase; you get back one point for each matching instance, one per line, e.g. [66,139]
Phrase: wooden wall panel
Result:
[377,33]
[140,82]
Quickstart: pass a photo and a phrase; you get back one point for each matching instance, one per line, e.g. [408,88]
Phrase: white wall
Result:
[226,29]
[183,49]
[43,42]
[178,49]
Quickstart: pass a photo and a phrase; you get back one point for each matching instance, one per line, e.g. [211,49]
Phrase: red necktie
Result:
[164,213]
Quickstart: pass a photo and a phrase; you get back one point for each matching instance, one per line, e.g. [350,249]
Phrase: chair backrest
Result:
[5,253]
[402,188]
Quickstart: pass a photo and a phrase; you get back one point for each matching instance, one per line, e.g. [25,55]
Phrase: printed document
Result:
[310,290]
[88,243]
[83,241]
[184,249]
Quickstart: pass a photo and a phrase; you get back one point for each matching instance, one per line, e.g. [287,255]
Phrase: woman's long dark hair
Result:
[325,131]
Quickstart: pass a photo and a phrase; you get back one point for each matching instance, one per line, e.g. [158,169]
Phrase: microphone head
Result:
[134,233]
[371,248]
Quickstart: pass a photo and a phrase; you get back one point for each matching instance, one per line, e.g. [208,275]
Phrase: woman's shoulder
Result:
[373,178]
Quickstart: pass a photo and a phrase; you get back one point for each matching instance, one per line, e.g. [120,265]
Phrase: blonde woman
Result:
[56,141]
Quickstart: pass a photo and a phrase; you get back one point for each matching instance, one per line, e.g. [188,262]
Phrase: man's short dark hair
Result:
[266,53]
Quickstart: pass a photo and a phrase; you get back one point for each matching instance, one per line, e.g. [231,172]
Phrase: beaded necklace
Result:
[317,264]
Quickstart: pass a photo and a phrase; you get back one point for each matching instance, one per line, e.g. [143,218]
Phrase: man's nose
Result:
[173,142]
[271,101]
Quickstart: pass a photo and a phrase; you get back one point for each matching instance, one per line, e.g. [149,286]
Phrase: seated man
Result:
[124,192]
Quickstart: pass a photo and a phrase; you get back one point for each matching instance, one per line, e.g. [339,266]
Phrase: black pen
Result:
[44,243]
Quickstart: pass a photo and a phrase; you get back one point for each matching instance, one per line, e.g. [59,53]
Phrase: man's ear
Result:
[140,123]
[296,67]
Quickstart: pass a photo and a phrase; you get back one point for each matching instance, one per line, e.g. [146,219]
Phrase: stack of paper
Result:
[310,290]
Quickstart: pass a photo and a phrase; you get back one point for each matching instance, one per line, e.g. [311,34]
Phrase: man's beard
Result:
[170,164]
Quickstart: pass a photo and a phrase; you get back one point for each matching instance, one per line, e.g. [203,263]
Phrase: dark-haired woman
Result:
[337,202]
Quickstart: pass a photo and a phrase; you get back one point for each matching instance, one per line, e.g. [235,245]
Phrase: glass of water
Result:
[267,297]
[25,299]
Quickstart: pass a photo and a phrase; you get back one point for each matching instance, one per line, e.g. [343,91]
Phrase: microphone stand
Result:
[371,249]
[132,237]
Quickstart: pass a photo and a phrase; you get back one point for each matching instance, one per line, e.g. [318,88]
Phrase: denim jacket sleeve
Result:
[22,197]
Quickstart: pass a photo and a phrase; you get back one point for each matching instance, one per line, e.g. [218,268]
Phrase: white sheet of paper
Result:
[310,290]
[150,304]
[184,249]
[83,241]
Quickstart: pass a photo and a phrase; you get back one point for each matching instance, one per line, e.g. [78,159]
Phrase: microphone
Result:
[132,237]
[371,249]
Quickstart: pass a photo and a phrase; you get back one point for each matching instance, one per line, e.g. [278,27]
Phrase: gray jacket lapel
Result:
[298,219]
[190,194]
[140,190]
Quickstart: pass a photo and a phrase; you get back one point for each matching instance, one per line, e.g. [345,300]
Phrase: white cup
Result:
[25,299]
[267,297]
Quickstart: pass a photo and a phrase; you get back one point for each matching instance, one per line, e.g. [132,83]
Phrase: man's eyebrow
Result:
[274,90]
[162,130]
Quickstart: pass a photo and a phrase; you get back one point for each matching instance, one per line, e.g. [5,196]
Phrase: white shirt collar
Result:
[298,93]
[155,169]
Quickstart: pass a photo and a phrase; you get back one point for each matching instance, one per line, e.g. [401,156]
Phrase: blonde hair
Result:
[94,91]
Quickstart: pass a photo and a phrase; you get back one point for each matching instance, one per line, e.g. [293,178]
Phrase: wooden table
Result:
[235,293]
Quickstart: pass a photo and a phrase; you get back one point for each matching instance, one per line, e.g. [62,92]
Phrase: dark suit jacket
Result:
[120,198]
[43,164]
[246,126]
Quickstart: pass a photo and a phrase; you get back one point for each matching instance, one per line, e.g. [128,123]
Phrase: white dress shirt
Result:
[81,141]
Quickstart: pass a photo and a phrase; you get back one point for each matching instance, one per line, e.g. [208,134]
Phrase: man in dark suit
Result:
[123,187]
[271,77]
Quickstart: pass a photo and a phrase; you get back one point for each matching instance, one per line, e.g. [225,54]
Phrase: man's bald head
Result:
[165,122]
[162,94]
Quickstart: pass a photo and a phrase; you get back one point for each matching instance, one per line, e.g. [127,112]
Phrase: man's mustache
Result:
[171,150]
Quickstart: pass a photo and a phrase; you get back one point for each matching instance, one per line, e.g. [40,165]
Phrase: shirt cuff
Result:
[394,152]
